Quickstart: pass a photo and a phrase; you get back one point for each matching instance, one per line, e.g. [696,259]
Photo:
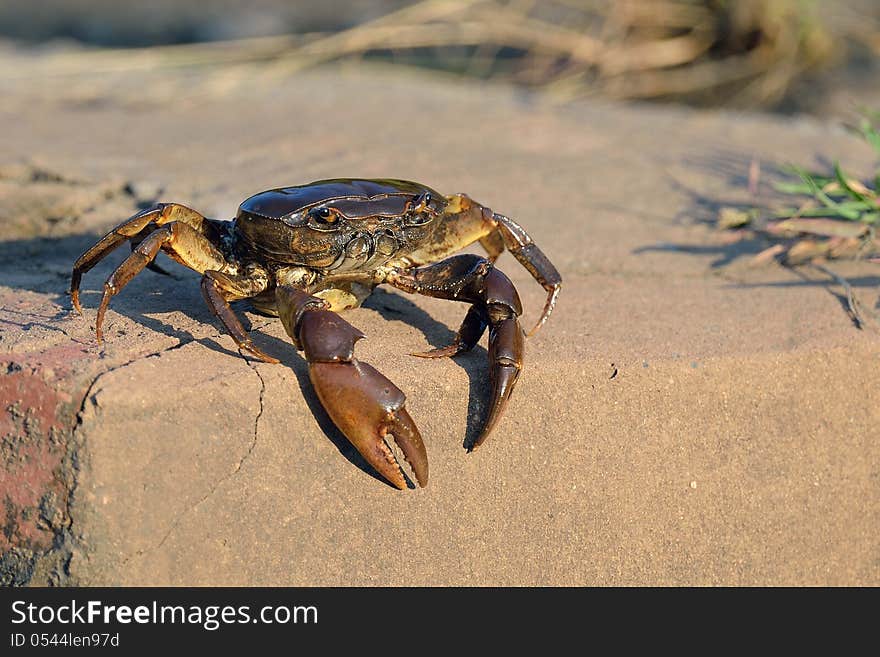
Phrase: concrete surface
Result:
[682,419]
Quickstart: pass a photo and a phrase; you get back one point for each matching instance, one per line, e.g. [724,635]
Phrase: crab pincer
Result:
[366,407]
[369,409]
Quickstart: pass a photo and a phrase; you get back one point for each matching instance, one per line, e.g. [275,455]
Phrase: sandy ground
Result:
[682,419]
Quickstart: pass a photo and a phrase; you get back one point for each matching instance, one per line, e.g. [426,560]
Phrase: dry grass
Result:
[818,217]
[745,53]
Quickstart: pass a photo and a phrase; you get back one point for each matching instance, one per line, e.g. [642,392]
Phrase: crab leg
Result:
[533,259]
[473,279]
[218,288]
[363,404]
[181,242]
[130,229]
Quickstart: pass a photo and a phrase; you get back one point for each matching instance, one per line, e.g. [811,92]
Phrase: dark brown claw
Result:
[496,304]
[368,409]
[506,349]
[361,401]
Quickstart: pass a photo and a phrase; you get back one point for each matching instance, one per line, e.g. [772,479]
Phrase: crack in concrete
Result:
[253,366]
[70,540]
[219,482]
[88,394]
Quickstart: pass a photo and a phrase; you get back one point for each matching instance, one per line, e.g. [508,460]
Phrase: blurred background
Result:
[809,56]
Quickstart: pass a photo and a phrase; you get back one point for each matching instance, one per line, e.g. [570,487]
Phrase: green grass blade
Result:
[843,210]
[792,188]
[849,214]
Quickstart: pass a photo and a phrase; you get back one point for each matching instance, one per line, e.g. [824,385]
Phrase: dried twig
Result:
[855,308]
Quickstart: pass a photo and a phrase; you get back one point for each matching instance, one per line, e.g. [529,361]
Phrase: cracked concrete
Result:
[204,454]
[223,479]
[737,443]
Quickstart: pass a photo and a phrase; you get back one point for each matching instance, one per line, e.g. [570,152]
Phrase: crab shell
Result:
[339,225]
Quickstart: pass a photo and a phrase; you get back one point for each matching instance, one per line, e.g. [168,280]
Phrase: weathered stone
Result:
[736,443]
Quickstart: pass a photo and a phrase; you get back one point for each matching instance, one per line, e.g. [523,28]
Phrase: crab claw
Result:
[506,349]
[368,408]
[362,403]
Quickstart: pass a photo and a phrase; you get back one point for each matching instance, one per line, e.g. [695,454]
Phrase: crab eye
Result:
[323,218]
[422,212]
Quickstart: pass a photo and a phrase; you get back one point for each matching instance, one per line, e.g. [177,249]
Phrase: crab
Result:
[304,253]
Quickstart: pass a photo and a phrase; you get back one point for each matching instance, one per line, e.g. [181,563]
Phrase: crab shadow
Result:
[829,284]
[150,296]
[702,208]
